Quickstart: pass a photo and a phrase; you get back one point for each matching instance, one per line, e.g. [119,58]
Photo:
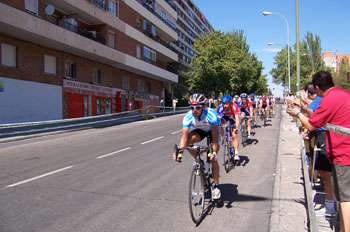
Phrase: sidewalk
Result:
[289,206]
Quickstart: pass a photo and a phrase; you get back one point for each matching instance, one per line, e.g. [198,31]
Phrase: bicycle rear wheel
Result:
[227,155]
[197,194]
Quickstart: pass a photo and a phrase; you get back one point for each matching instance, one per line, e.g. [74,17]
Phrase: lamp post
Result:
[265,13]
[272,43]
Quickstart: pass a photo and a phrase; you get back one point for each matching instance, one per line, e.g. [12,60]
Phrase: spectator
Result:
[334,109]
[322,163]
[161,105]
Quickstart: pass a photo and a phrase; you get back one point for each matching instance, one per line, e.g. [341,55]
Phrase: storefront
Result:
[82,99]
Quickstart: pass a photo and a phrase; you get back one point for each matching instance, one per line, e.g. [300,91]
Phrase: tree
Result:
[310,62]
[340,78]
[223,64]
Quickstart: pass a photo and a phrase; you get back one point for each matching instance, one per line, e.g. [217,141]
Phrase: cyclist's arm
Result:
[215,137]
[184,137]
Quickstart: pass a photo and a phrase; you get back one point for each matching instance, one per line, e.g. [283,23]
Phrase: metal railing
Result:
[29,128]
[313,222]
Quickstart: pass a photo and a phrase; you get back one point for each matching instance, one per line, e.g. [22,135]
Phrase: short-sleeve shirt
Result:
[233,110]
[207,120]
[313,106]
[335,109]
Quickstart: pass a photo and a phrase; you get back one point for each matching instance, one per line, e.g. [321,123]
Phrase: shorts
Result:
[322,161]
[228,118]
[341,181]
[264,106]
[254,106]
[202,134]
[246,112]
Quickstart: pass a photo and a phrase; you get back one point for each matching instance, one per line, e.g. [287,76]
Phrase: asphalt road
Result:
[123,178]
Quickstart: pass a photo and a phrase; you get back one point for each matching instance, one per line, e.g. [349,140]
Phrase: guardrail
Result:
[148,112]
[313,224]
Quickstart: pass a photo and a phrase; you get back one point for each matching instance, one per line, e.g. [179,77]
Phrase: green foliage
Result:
[340,78]
[310,62]
[223,64]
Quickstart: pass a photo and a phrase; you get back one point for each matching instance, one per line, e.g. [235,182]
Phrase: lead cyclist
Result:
[204,122]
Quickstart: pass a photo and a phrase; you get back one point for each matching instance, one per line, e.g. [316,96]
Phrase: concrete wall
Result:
[25,101]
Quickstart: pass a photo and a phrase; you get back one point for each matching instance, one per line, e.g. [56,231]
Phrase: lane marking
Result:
[176,132]
[112,153]
[38,177]
[152,140]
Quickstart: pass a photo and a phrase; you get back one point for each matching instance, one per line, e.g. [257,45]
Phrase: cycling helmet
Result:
[252,94]
[197,99]
[244,95]
[226,98]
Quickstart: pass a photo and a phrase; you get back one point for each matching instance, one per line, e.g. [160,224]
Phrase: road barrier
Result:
[313,224]
[28,128]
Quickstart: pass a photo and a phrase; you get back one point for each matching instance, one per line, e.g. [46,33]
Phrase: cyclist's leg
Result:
[195,136]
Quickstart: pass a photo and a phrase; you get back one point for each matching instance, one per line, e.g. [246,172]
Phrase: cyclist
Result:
[229,111]
[205,122]
[246,110]
[264,102]
[255,104]
[236,99]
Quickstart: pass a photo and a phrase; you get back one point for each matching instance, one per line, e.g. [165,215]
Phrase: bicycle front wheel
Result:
[197,194]
[227,155]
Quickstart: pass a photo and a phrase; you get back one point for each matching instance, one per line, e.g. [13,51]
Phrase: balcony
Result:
[151,9]
[93,35]
[149,60]
[99,3]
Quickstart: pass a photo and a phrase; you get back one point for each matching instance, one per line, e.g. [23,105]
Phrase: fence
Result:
[313,222]
[148,112]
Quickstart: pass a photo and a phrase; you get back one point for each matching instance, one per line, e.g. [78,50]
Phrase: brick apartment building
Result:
[333,61]
[77,58]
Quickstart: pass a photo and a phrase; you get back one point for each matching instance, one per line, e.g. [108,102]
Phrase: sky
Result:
[329,19]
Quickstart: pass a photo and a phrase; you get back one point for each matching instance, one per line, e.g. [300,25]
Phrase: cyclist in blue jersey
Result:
[229,111]
[204,122]
[255,104]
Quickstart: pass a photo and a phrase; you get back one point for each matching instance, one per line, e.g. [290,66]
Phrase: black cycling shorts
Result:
[264,106]
[245,111]
[202,134]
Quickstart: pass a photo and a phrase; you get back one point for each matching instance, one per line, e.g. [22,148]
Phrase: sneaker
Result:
[248,136]
[216,193]
[236,158]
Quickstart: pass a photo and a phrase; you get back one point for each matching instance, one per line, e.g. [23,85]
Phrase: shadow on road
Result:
[229,194]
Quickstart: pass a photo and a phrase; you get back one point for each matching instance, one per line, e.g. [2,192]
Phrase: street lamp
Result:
[265,13]
[272,43]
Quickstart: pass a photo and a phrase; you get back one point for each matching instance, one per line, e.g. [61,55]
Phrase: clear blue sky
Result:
[328,19]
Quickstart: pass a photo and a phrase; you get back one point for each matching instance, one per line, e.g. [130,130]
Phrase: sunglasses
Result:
[196,107]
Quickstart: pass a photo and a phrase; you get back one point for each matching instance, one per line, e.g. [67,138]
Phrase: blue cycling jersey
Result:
[207,120]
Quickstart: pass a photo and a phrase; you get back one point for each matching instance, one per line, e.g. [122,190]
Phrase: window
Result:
[138,51]
[148,87]
[31,5]
[111,39]
[70,69]
[149,55]
[125,82]
[112,7]
[96,76]
[153,30]
[163,14]
[50,64]
[140,86]
[8,55]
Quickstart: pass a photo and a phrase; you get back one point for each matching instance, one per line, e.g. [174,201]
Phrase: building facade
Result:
[334,61]
[78,58]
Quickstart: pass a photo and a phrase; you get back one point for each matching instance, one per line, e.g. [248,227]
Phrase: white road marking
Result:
[112,153]
[176,132]
[38,177]
[152,140]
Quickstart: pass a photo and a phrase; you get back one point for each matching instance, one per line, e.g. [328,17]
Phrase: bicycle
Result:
[201,181]
[263,117]
[228,149]
[244,130]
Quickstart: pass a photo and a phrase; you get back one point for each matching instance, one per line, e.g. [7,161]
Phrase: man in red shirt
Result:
[334,109]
